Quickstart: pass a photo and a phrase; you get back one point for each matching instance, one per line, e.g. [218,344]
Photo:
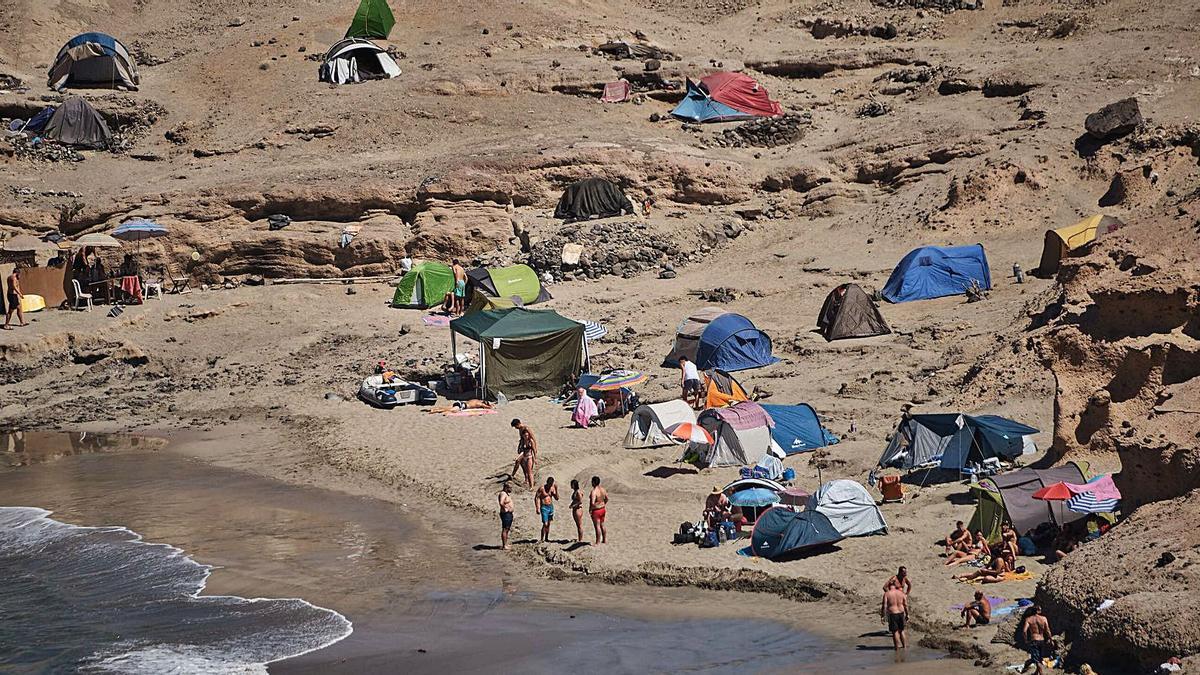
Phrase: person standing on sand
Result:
[506,514]
[577,509]
[598,505]
[1036,632]
[460,288]
[13,297]
[894,610]
[526,453]
[544,502]
[689,381]
[900,580]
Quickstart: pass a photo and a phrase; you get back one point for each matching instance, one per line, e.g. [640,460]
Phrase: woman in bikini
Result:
[577,508]
[979,551]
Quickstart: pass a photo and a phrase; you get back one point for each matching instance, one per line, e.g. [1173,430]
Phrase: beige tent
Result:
[1074,240]
[648,424]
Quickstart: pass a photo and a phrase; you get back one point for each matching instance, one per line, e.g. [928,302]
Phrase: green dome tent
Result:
[373,20]
[425,285]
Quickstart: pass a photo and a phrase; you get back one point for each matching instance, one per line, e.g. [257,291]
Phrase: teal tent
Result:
[373,21]
[523,352]
[425,285]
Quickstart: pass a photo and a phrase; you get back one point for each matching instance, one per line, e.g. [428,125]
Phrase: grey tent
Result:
[849,507]
[849,312]
[1009,499]
[954,441]
[76,122]
[649,423]
[93,60]
[592,198]
[355,60]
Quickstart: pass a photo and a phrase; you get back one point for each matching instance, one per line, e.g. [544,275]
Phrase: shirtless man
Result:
[895,611]
[598,506]
[900,580]
[959,539]
[544,503]
[716,507]
[1036,632]
[526,452]
[505,501]
[460,288]
[13,297]
[979,612]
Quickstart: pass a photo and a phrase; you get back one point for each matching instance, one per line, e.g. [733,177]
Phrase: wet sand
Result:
[423,599]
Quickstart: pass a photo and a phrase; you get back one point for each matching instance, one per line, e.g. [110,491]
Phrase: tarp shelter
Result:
[953,441]
[741,435]
[1009,499]
[782,531]
[373,20]
[523,352]
[797,428]
[648,424]
[617,92]
[93,60]
[1074,240]
[518,281]
[937,271]
[725,97]
[714,338]
[723,389]
[425,285]
[76,122]
[849,507]
[848,312]
[355,60]
[592,198]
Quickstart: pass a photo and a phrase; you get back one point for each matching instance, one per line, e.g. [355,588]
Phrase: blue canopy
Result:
[698,106]
[780,532]
[797,428]
[937,271]
[731,342]
[107,42]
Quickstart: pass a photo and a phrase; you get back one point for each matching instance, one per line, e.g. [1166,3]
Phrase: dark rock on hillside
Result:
[1114,120]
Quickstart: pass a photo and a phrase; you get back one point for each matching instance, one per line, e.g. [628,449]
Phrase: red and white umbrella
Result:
[690,432]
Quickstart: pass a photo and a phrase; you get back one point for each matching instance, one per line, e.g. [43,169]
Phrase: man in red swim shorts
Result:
[598,505]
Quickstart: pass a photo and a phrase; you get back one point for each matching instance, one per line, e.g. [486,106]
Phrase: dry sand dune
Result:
[954,127]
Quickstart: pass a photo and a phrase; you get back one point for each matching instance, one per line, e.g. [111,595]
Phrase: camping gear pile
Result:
[617,247]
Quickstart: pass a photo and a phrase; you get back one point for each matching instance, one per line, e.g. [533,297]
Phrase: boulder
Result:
[1114,120]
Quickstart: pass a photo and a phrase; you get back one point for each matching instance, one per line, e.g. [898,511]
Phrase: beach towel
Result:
[469,413]
[436,320]
[585,411]
[616,92]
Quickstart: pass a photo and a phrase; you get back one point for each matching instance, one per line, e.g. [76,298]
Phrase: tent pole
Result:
[482,374]
[587,357]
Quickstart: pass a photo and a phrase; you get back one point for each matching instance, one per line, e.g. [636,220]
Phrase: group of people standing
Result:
[547,494]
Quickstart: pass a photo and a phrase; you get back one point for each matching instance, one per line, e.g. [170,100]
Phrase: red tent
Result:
[741,92]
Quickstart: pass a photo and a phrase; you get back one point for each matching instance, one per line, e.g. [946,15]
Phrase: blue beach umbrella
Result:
[754,497]
[139,229]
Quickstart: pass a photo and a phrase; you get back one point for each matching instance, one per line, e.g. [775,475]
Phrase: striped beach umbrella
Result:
[689,432]
[593,330]
[139,229]
[1087,502]
[618,379]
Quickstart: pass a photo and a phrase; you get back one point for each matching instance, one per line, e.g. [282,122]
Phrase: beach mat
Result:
[470,413]
[436,320]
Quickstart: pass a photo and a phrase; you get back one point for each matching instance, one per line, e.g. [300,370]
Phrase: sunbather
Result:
[1000,565]
[979,551]
[960,539]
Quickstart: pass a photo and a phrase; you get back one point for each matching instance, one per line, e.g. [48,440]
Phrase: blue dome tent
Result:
[797,428]
[93,60]
[780,532]
[731,342]
[937,271]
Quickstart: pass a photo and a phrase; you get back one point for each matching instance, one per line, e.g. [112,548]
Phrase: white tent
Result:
[849,507]
[355,60]
[648,424]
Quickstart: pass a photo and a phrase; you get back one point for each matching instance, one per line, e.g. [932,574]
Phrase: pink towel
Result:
[585,411]
[1101,488]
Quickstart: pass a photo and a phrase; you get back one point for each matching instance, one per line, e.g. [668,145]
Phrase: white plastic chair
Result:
[152,289]
[80,296]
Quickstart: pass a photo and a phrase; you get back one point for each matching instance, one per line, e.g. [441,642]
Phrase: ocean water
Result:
[99,599]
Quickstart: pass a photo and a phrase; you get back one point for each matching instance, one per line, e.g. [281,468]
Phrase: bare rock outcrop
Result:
[462,229]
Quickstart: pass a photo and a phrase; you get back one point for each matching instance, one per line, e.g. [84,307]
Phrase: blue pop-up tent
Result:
[953,441]
[731,342]
[780,532]
[798,428]
[937,271]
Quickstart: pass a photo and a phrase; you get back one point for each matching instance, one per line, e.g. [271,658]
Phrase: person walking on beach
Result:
[544,501]
[577,509]
[526,453]
[895,611]
[598,505]
[900,580]
[460,288]
[1036,632]
[13,297]
[505,501]
[689,381]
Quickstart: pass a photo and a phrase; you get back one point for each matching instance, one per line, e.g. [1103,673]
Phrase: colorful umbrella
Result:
[690,432]
[618,379]
[755,497]
[1087,502]
[139,229]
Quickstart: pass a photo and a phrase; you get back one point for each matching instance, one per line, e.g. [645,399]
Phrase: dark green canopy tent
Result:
[372,21]
[523,352]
